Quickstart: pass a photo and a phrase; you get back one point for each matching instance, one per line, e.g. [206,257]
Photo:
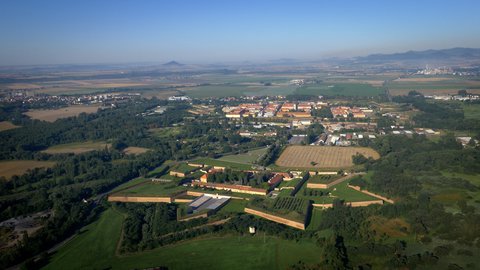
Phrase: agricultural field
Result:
[245,158]
[53,115]
[6,125]
[340,89]
[239,89]
[76,148]
[286,207]
[291,204]
[95,248]
[321,156]
[133,150]
[433,85]
[19,167]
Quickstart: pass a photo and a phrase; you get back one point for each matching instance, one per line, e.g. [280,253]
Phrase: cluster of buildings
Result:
[272,109]
[346,111]
[105,99]
[435,71]
[342,139]
[454,97]
[179,98]
[275,179]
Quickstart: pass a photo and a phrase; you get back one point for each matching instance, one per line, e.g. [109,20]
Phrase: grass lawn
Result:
[234,206]
[471,111]
[76,148]
[183,168]
[222,163]
[340,89]
[339,191]
[315,219]
[130,183]
[95,249]
[246,158]
[323,179]
[95,245]
[154,189]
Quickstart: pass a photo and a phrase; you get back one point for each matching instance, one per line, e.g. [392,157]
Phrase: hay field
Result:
[53,115]
[19,167]
[323,156]
[133,150]
[5,125]
[76,148]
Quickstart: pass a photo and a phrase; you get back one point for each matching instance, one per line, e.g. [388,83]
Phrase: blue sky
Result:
[55,32]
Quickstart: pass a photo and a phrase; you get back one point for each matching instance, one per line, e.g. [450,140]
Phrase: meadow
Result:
[76,148]
[53,115]
[94,248]
[19,167]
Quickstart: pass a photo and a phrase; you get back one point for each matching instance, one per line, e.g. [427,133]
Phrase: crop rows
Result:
[292,204]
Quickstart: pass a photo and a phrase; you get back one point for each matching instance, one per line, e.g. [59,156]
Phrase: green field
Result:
[94,248]
[340,191]
[154,189]
[323,179]
[315,219]
[246,158]
[252,88]
[471,111]
[222,163]
[166,132]
[340,89]
[76,147]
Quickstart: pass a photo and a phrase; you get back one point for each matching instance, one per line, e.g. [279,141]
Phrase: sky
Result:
[123,31]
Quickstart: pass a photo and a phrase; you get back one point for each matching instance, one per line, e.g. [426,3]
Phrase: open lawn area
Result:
[6,125]
[322,156]
[19,167]
[222,163]
[53,115]
[471,111]
[340,89]
[94,248]
[76,148]
[245,158]
[340,191]
[153,189]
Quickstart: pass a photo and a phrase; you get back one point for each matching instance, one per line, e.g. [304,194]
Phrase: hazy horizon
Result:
[56,32]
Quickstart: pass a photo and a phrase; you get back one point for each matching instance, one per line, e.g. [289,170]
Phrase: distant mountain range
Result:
[454,54]
[173,64]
